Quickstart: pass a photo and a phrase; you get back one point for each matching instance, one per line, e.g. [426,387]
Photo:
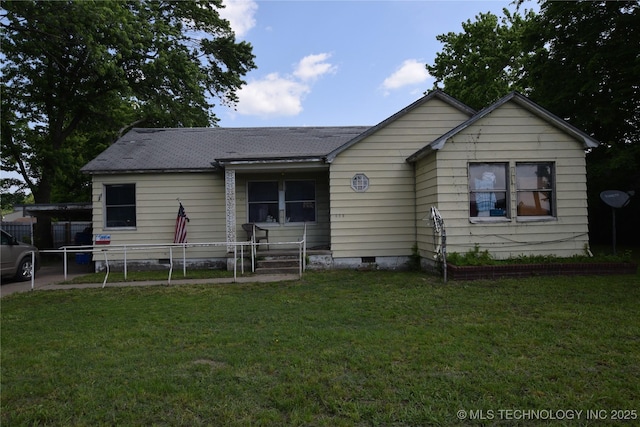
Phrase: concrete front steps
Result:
[277,262]
[286,261]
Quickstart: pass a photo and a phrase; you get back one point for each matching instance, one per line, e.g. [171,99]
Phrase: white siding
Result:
[201,194]
[509,134]
[381,222]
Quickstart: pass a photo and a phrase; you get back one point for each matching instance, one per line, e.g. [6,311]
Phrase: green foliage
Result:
[475,257]
[77,73]
[472,257]
[627,255]
[486,61]
[11,193]
[586,66]
[414,263]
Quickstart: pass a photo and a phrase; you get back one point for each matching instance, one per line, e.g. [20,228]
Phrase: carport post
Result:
[33,268]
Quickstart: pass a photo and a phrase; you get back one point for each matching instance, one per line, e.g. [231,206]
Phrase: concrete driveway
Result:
[47,275]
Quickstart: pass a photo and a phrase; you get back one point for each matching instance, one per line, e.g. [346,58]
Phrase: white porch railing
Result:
[105,250]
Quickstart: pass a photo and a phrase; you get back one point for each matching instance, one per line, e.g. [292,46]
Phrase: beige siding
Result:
[381,222]
[510,134]
[201,194]
[317,233]
[426,197]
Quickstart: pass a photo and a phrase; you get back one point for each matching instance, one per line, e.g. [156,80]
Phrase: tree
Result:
[586,67]
[78,73]
[486,61]
[578,59]
[587,64]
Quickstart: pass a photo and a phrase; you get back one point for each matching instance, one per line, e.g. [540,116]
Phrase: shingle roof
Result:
[177,149]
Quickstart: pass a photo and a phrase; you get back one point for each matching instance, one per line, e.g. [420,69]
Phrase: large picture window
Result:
[120,205]
[535,189]
[263,201]
[488,190]
[300,201]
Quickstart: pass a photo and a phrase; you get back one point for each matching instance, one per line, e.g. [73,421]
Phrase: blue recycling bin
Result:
[82,258]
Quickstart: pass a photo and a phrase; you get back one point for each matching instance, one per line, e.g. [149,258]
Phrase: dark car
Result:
[16,259]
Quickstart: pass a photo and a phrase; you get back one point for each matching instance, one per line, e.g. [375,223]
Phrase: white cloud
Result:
[409,73]
[312,66]
[241,15]
[277,96]
[272,96]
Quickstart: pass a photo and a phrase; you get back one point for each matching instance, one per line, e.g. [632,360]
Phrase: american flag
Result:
[181,226]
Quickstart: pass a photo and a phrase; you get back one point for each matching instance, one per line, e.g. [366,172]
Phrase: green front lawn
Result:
[151,275]
[337,348]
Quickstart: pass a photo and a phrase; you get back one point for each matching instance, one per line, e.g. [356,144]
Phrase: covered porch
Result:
[287,201]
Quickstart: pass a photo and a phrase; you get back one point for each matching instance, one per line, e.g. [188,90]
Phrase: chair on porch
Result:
[256,233]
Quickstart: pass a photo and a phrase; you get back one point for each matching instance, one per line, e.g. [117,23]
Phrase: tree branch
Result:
[16,155]
[129,126]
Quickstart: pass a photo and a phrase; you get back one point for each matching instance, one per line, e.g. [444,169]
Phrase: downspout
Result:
[328,161]
[415,206]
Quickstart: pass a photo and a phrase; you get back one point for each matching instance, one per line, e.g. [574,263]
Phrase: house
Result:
[510,179]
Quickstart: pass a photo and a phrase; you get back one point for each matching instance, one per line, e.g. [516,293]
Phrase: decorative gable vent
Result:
[360,182]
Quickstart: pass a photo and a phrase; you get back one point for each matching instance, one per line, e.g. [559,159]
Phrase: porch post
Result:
[230,190]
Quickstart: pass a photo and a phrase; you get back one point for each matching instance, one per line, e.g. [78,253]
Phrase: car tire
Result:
[24,269]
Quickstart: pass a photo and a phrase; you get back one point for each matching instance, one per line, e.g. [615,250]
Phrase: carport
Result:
[45,213]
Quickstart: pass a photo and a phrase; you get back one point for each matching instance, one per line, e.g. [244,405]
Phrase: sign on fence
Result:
[103,239]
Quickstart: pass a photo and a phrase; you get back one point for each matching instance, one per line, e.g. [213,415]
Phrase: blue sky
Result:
[324,63]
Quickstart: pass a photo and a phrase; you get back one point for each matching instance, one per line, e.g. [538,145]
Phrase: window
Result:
[120,205]
[360,182]
[294,200]
[6,240]
[535,189]
[263,201]
[300,201]
[488,190]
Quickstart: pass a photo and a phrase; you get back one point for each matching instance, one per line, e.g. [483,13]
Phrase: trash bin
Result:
[82,258]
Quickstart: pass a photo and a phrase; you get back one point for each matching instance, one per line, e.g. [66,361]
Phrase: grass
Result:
[336,348]
[150,275]
[478,257]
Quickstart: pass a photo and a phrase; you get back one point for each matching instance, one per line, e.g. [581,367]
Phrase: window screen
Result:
[120,205]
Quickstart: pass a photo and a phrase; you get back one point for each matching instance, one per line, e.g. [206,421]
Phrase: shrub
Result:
[475,257]
[414,259]
[472,257]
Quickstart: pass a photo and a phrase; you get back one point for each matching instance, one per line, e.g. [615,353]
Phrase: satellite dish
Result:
[615,198]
